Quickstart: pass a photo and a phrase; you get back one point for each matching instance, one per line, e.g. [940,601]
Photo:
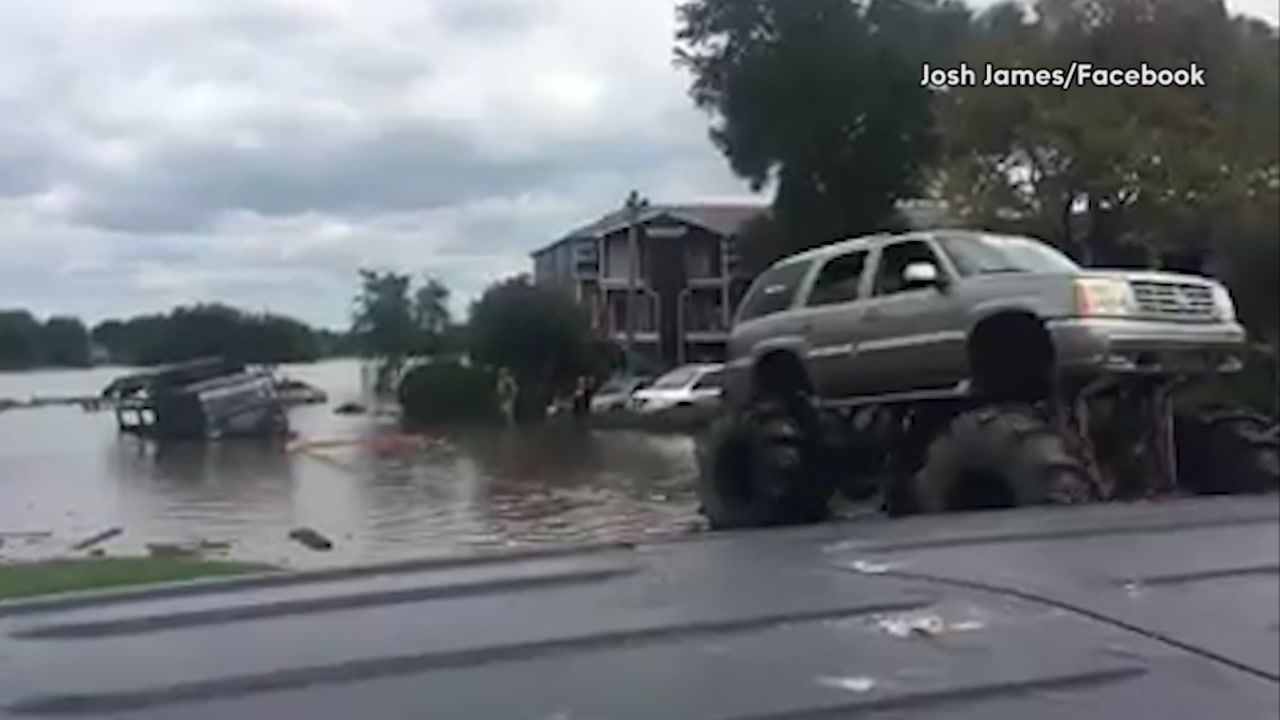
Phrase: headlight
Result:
[1222,302]
[1104,296]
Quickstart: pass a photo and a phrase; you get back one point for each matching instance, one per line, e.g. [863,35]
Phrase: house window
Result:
[700,260]
[704,312]
[646,306]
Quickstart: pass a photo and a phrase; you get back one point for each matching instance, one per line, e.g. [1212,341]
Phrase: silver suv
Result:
[962,357]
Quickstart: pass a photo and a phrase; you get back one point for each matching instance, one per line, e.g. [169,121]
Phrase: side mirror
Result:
[921,274]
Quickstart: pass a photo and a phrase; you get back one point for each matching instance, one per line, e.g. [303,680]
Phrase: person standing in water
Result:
[507,393]
[582,398]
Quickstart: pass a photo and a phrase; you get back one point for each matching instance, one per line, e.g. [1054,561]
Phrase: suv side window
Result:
[839,280]
[773,291]
[895,258]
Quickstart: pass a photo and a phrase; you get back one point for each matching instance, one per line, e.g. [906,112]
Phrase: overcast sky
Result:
[257,152]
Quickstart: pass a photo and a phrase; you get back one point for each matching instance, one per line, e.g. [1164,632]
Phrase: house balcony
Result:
[613,282]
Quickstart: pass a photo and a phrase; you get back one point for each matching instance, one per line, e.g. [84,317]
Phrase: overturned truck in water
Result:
[956,370]
[206,399]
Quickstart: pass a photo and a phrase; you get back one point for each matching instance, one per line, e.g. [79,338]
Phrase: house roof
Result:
[719,218]
[728,218]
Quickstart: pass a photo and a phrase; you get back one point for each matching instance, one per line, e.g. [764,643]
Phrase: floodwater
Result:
[66,474]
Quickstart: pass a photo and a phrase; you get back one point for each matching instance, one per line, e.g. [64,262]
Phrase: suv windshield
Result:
[986,254]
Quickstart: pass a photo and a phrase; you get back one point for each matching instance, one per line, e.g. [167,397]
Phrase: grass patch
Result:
[29,579]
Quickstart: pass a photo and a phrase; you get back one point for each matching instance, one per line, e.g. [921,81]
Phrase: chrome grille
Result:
[1183,301]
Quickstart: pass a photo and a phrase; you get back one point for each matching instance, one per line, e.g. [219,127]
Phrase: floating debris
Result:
[856,684]
[97,539]
[350,408]
[311,539]
[172,550]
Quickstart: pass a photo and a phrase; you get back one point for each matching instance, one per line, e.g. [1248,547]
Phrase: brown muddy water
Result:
[66,474]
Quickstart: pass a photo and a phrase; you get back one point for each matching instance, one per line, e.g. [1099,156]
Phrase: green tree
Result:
[1116,175]
[538,333]
[64,342]
[204,330]
[431,316]
[384,324]
[19,340]
[822,97]
[431,307]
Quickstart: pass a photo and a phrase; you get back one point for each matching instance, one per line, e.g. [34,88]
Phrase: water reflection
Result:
[562,484]
[374,499]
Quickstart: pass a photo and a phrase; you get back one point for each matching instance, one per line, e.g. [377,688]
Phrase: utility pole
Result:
[634,205]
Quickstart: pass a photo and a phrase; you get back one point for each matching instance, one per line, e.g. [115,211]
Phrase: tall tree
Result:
[202,330]
[431,306]
[64,342]
[538,333]
[823,98]
[384,317]
[19,340]
[1102,170]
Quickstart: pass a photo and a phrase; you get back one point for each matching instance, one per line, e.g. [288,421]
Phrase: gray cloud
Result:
[260,151]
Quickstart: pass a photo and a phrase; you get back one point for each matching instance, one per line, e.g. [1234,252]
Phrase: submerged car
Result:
[210,398]
[687,387]
[296,392]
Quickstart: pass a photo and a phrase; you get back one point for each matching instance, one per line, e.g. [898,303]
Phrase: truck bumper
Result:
[1147,347]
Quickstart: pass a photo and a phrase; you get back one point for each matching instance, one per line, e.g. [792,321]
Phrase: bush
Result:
[445,392]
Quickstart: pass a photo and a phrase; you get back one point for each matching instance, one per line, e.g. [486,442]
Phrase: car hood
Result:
[1150,276]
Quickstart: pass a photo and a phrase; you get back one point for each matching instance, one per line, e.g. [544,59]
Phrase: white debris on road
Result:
[857,684]
[870,568]
[927,626]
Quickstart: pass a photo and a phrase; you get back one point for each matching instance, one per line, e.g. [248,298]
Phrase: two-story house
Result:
[687,277]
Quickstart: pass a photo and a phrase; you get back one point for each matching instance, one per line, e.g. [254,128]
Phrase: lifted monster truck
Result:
[957,370]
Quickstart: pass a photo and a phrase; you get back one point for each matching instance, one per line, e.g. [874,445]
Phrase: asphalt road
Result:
[1167,610]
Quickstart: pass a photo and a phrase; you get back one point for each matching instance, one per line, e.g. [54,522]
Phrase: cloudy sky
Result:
[257,152]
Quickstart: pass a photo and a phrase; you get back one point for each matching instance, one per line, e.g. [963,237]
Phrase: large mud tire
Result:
[1227,452]
[1000,457]
[763,469]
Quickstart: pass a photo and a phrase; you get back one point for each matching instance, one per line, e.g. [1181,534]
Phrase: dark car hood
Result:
[1164,610]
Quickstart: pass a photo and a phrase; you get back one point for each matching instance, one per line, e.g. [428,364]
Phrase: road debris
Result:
[856,684]
[870,568]
[172,550]
[925,626]
[311,539]
[350,408]
[97,539]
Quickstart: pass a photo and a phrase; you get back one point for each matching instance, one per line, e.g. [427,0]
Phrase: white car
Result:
[688,386]
[616,393]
